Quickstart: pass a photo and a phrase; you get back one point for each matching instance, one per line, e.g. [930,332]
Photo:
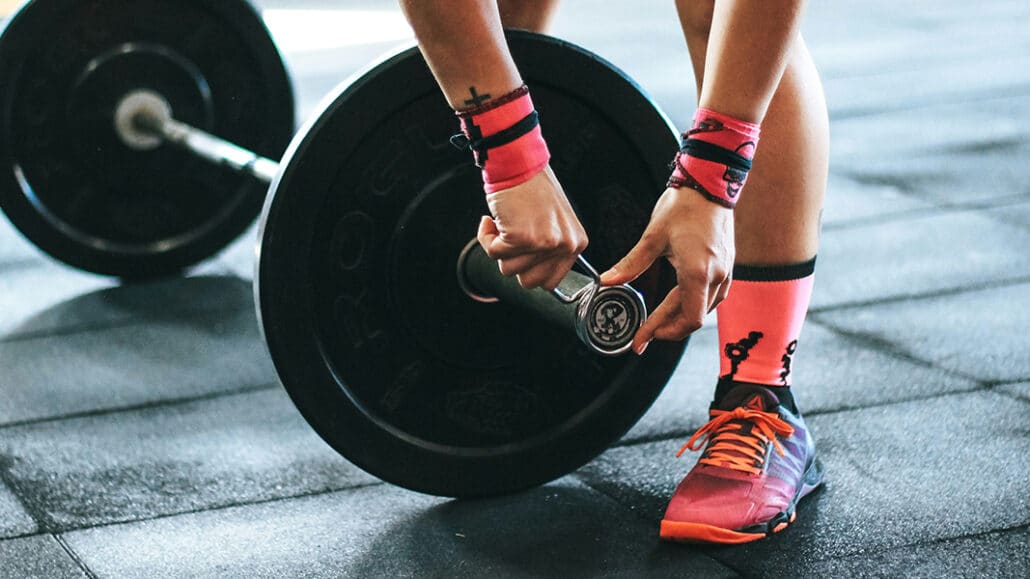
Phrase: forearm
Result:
[747,53]
[463,42]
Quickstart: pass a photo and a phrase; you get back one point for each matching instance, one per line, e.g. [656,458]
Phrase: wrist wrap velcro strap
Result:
[480,147]
[505,139]
[715,157]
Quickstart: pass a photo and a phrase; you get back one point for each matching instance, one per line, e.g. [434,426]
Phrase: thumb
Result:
[487,231]
[634,263]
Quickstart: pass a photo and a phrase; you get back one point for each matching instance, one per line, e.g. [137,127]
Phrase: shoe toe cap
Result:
[711,501]
[725,503]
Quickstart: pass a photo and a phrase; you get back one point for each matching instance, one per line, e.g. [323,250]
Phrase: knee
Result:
[695,17]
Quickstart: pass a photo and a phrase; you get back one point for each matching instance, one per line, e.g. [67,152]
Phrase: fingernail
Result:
[640,349]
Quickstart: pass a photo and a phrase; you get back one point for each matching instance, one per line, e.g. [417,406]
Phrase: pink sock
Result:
[760,321]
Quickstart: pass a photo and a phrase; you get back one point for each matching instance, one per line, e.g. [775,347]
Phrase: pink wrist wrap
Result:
[715,157]
[505,139]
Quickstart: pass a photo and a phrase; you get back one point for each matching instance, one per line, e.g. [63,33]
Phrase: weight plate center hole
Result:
[463,280]
[139,119]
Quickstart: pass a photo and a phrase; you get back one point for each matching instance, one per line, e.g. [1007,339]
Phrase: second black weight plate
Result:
[384,355]
[66,179]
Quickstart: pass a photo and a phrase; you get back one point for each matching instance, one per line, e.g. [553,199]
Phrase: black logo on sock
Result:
[786,359]
[737,352]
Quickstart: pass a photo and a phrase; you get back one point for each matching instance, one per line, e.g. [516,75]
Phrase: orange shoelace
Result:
[732,444]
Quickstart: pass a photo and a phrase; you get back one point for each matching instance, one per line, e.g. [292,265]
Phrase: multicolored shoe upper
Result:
[758,462]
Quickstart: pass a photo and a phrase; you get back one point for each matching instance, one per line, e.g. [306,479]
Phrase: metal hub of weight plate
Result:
[74,188]
[377,344]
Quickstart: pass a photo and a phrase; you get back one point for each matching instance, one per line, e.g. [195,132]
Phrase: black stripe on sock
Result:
[783,393]
[745,272]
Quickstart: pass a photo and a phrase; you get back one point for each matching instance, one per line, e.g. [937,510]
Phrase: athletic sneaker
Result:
[758,462]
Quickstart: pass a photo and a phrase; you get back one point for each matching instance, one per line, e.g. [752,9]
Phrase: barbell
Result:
[394,335]
[70,183]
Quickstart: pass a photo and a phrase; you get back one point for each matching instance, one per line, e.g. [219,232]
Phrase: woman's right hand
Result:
[533,231]
[696,236]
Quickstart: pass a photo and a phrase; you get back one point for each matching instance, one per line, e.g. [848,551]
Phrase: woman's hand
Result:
[696,236]
[534,233]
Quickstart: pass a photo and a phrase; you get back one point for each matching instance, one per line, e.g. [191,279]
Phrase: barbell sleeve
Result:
[605,318]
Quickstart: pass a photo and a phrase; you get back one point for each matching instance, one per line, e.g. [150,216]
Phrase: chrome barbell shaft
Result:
[216,150]
[143,120]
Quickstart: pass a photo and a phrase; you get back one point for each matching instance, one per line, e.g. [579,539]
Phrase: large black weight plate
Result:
[376,344]
[67,181]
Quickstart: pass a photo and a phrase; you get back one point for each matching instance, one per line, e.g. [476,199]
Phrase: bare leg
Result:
[465,49]
[532,15]
[777,221]
[777,218]
[748,43]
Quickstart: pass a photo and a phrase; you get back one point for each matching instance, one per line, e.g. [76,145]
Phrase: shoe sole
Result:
[681,531]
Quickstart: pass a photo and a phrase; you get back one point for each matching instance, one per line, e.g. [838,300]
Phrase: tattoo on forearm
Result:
[477,99]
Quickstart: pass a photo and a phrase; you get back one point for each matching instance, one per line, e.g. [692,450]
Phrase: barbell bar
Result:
[143,120]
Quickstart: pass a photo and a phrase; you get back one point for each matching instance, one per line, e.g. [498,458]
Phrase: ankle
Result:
[782,393]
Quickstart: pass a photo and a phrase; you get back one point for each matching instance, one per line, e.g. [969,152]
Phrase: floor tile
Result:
[36,556]
[999,555]
[977,333]
[899,135]
[29,295]
[169,356]
[1015,214]
[948,81]
[47,300]
[917,256]
[1020,390]
[984,173]
[159,461]
[560,530]
[14,520]
[848,201]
